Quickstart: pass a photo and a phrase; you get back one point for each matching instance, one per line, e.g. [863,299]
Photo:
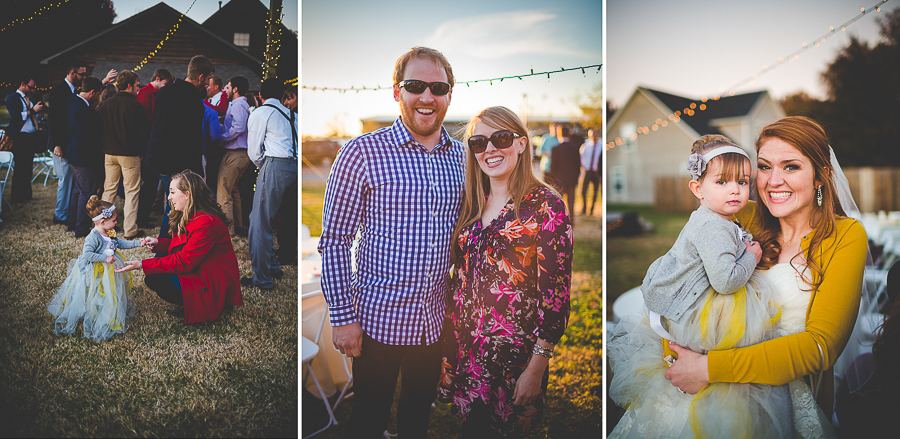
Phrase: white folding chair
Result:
[344,393]
[6,161]
[43,164]
[309,349]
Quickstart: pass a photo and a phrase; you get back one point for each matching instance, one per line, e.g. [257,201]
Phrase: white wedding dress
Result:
[772,305]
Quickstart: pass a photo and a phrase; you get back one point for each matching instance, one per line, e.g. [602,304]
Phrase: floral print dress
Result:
[511,287]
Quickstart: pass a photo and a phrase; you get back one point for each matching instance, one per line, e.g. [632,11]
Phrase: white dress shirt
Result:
[269,134]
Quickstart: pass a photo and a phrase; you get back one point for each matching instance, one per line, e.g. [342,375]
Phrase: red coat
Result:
[204,261]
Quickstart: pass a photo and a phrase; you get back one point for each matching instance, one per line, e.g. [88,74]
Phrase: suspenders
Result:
[293,130]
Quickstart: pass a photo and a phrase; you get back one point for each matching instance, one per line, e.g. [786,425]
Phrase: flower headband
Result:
[106,213]
[696,163]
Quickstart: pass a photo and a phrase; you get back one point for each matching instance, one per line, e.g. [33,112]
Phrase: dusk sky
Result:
[200,12]
[355,43]
[702,47]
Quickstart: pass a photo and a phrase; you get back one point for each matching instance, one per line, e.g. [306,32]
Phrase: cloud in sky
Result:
[506,34]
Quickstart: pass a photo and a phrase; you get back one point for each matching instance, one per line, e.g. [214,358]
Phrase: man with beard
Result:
[401,187]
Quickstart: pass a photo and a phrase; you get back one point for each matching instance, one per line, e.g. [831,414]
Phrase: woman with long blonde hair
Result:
[513,263]
[198,269]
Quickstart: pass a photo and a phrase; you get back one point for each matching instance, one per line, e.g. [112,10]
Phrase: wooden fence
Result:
[874,189]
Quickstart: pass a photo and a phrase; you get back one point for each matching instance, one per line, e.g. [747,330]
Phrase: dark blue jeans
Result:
[166,286]
[374,379]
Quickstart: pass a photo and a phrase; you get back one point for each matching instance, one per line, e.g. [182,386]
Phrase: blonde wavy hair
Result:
[199,198]
[521,182]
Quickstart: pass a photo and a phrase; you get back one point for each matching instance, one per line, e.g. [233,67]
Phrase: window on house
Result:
[619,189]
[626,132]
[241,39]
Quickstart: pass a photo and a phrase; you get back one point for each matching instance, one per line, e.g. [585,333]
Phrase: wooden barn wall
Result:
[132,43]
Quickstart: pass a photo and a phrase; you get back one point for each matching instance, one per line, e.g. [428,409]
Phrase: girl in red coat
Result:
[200,270]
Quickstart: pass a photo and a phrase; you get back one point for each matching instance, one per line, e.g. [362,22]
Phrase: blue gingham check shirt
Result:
[404,201]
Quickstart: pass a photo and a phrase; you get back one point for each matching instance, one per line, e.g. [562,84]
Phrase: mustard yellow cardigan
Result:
[832,312]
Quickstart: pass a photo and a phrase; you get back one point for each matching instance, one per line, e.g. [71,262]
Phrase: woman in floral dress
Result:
[510,302]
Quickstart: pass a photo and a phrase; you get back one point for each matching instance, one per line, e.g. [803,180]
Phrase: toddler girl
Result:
[701,294]
[92,290]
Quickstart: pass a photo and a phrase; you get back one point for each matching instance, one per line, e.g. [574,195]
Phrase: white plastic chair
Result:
[309,349]
[44,166]
[6,161]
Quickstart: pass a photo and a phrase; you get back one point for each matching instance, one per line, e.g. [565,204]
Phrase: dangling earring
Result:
[819,195]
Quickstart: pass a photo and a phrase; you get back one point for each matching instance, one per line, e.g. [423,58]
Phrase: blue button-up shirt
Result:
[404,201]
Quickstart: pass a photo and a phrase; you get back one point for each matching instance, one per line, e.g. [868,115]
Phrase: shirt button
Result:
[432,245]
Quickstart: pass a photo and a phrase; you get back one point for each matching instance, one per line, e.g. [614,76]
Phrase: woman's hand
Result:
[690,372]
[129,265]
[528,386]
[149,242]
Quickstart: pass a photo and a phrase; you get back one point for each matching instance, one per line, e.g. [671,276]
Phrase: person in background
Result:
[565,166]
[125,133]
[234,159]
[288,214]
[216,98]
[289,99]
[59,136]
[147,97]
[272,146]
[176,140]
[212,155]
[85,152]
[592,163]
[23,130]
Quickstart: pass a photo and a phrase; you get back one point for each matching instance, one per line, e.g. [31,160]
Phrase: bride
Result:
[814,257]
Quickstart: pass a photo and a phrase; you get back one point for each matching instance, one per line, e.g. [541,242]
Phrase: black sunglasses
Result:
[500,139]
[416,86]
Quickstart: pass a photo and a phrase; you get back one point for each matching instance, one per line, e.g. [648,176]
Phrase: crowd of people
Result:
[563,155]
[112,137]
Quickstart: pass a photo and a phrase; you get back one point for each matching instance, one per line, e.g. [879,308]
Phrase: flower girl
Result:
[92,290]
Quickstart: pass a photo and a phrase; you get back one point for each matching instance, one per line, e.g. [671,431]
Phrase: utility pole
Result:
[273,39]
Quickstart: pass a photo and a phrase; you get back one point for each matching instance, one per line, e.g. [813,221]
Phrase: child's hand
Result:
[110,259]
[756,249]
[149,242]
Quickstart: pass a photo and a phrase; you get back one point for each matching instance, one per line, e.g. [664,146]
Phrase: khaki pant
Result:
[127,168]
[234,163]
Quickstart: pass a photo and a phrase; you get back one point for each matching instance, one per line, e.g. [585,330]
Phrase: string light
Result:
[676,116]
[9,84]
[38,12]
[161,43]
[489,80]
[276,41]
[291,81]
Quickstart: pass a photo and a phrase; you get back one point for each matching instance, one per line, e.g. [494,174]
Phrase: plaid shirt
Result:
[404,201]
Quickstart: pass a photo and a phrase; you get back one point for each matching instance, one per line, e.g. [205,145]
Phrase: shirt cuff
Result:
[341,315]
[719,366]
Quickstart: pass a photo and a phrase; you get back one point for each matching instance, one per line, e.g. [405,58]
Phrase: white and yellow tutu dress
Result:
[770,305]
[94,292]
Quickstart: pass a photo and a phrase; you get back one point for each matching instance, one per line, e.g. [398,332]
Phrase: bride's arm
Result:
[784,359]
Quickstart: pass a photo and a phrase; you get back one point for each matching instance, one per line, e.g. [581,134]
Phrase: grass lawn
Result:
[629,257]
[574,392]
[235,376]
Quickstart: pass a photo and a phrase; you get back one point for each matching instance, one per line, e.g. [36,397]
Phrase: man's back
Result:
[125,125]
[176,140]
[59,102]
[565,162]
